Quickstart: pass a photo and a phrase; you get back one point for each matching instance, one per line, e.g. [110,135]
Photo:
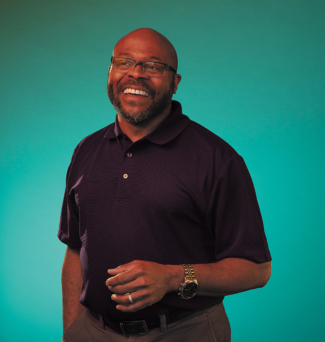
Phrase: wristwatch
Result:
[188,289]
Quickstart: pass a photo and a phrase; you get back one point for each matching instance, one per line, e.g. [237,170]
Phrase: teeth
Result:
[135,91]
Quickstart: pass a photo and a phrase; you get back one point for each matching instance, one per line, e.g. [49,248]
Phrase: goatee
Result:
[140,117]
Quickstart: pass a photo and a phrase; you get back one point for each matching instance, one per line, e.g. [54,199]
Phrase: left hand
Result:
[146,281]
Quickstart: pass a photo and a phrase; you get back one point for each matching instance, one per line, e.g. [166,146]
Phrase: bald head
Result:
[142,99]
[150,43]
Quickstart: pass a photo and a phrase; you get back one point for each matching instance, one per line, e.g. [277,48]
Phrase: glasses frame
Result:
[167,66]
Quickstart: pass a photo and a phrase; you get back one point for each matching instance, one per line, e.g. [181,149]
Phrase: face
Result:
[155,92]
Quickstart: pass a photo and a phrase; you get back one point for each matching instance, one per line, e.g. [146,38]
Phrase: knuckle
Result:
[143,282]
[141,269]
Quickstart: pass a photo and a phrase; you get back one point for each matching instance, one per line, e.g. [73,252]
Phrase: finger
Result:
[128,298]
[132,308]
[121,299]
[116,280]
[123,268]
[123,277]
[113,281]
[140,301]
[132,286]
[114,271]
[117,270]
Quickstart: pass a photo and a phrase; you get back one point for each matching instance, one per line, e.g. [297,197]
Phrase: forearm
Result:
[71,287]
[228,276]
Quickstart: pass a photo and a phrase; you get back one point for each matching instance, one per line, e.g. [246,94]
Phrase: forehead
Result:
[142,48]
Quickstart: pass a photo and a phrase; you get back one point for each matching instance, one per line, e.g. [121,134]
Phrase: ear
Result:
[176,80]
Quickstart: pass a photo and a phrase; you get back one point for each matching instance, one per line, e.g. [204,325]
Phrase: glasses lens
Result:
[154,69]
[122,64]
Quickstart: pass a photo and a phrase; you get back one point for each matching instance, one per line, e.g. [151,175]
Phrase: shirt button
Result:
[125,176]
[129,154]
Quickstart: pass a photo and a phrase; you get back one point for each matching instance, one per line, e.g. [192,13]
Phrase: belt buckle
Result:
[134,327]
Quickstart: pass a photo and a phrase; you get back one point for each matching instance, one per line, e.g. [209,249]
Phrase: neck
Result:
[139,131]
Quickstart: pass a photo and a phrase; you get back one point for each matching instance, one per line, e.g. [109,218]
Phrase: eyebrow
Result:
[124,54]
[154,57]
[149,58]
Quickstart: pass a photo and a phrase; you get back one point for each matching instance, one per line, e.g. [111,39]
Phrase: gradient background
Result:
[253,73]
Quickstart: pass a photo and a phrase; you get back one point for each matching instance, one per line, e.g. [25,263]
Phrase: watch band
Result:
[189,272]
[188,289]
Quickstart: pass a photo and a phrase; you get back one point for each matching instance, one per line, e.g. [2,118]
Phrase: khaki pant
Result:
[209,325]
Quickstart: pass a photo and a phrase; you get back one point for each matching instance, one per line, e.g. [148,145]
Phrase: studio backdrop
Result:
[252,72]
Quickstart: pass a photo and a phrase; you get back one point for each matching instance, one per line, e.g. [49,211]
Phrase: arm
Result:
[71,287]
[148,282]
[230,276]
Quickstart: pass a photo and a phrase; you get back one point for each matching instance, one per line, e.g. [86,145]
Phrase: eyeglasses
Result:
[122,64]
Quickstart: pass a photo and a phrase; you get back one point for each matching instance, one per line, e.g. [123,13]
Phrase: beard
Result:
[137,118]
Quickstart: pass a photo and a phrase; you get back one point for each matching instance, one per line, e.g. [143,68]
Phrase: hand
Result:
[146,281]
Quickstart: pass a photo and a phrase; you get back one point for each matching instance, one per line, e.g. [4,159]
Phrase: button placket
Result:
[129,155]
[125,184]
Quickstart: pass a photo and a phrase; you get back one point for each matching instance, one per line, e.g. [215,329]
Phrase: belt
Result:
[143,326]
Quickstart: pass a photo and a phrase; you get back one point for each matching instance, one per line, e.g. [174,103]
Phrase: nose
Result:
[137,72]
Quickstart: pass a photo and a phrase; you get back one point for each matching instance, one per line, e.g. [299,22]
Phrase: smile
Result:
[135,92]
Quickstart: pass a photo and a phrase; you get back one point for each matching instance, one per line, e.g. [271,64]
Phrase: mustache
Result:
[140,83]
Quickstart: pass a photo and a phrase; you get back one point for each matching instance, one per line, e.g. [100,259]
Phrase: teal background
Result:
[253,73]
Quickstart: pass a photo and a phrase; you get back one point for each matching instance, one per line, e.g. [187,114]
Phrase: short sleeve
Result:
[235,215]
[69,220]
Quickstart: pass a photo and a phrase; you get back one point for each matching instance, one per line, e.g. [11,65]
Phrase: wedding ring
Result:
[130,299]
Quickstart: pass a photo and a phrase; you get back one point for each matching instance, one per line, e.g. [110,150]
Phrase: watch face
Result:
[189,290]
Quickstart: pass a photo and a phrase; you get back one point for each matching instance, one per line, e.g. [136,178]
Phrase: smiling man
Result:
[142,92]
[159,215]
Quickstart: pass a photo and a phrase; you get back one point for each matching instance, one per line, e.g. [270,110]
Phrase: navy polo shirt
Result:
[178,195]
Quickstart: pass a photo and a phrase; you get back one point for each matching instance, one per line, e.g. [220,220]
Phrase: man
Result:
[159,215]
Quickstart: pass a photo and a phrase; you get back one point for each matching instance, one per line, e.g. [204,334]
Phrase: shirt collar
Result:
[113,130]
[169,129]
